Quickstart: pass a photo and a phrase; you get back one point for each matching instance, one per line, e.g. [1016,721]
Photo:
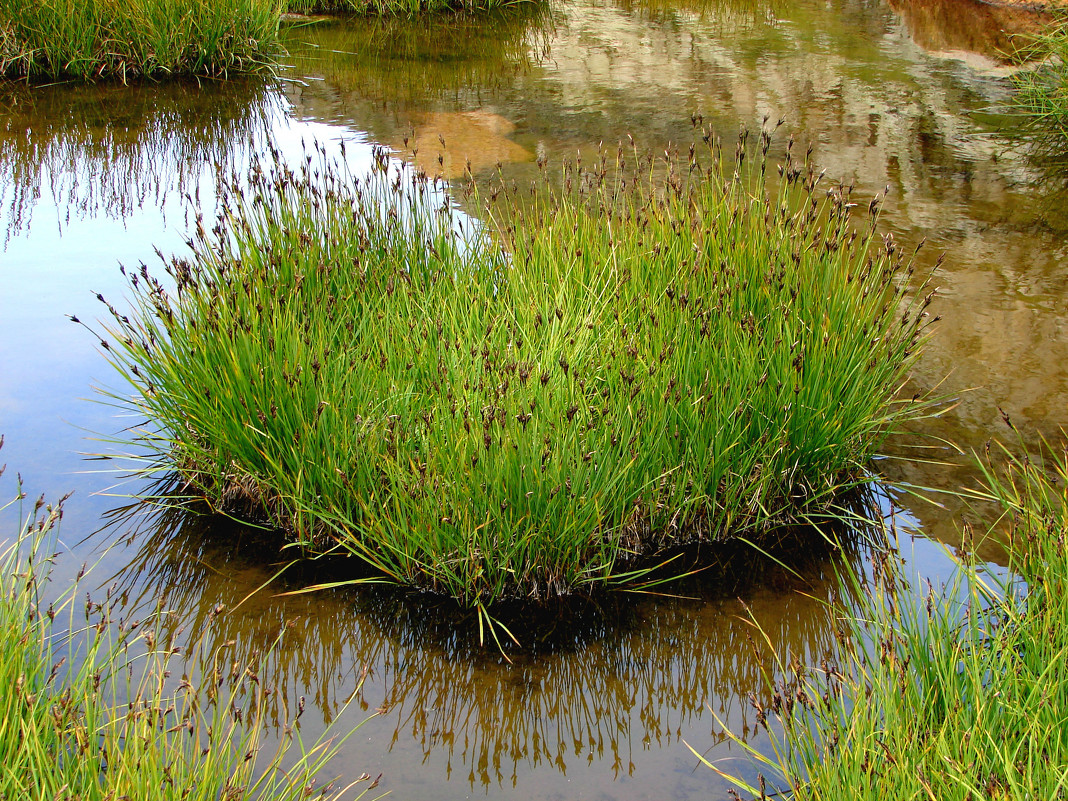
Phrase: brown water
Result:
[894,95]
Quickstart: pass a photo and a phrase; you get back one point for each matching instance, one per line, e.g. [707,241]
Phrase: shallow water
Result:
[896,95]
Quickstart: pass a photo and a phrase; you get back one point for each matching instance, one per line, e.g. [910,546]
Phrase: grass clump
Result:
[639,356]
[90,39]
[957,694]
[97,707]
[1042,89]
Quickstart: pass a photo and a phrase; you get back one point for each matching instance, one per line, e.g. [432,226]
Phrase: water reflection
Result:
[108,151]
[608,693]
[393,62]
[970,26]
[726,12]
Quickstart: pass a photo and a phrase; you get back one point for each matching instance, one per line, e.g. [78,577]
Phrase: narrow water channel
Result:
[900,94]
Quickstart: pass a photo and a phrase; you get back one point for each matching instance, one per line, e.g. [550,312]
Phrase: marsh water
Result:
[901,94]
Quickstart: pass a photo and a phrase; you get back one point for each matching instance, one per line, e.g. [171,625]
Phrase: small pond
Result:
[892,93]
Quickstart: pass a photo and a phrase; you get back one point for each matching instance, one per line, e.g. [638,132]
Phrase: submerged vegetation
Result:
[958,693]
[648,354]
[97,707]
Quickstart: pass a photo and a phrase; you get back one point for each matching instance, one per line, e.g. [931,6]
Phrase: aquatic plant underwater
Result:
[627,358]
[96,706]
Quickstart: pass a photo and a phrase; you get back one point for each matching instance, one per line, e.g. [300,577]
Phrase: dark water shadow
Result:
[595,683]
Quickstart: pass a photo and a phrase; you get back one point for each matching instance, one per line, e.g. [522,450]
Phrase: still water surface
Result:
[897,95]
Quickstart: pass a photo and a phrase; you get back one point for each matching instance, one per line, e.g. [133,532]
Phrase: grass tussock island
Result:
[956,693]
[102,39]
[95,707]
[645,353]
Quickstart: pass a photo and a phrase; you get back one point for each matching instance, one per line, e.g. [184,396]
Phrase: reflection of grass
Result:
[622,369]
[102,38]
[112,150]
[98,708]
[732,10]
[1040,106]
[397,60]
[960,693]
[657,661]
